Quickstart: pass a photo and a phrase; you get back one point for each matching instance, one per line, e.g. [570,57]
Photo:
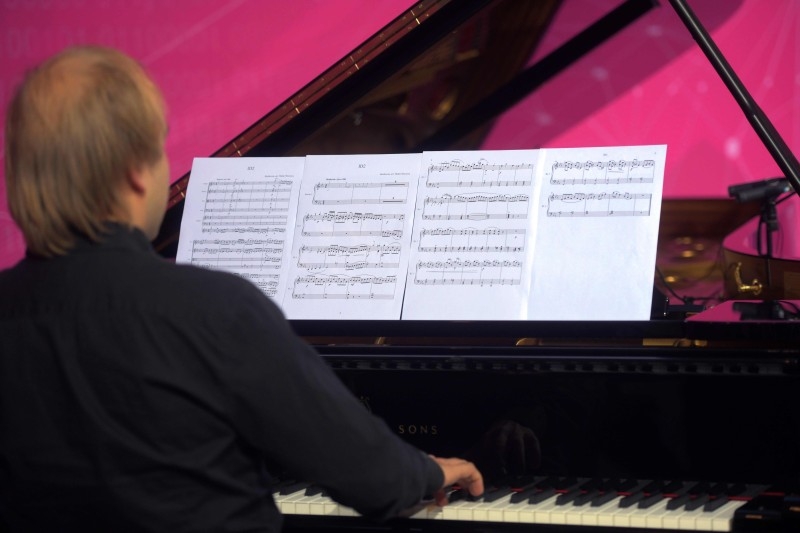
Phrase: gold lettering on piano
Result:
[417,429]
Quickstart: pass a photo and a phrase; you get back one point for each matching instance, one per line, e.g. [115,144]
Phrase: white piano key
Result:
[496,511]
[546,512]
[639,517]
[286,503]
[450,511]
[719,519]
[541,511]
[607,517]
[655,519]
[592,516]
[323,505]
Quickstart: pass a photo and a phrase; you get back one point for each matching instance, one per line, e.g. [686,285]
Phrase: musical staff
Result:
[265,281]
[349,257]
[260,205]
[237,254]
[339,287]
[345,224]
[603,204]
[479,174]
[602,172]
[345,193]
[459,235]
[472,240]
[476,206]
[467,272]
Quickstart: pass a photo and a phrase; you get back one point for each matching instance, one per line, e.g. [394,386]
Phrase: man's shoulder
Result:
[186,277]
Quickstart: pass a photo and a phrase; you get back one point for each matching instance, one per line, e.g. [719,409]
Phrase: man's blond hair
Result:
[76,127]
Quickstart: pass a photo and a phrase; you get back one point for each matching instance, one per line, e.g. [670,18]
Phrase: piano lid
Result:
[432,79]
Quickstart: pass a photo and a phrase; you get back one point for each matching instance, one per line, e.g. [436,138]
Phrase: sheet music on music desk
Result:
[473,239]
[239,216]
[597,234]
[351,241]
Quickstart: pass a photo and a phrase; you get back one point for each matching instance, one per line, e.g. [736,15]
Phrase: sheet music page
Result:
[239,216]
[596,244]
[471,249]
[352,237]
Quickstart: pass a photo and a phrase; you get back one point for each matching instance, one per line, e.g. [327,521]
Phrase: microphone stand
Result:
[766,131]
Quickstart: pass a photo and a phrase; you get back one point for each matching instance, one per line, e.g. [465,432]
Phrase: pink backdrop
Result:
[222,65]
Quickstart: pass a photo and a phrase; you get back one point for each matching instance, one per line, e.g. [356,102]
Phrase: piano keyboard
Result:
[689,506]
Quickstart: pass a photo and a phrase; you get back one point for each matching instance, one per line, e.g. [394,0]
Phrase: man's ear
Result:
[138,179]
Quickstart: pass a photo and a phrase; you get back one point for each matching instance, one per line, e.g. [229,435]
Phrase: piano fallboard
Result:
[663,424]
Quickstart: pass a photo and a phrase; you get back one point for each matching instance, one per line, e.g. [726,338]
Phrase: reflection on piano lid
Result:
[433,78]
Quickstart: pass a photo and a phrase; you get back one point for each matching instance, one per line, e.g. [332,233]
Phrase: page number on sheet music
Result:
[362,165]
[251,168]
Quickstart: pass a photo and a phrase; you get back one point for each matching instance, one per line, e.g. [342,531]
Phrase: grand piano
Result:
[687,421]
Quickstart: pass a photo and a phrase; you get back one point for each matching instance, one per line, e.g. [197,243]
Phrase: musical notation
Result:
[345,224]
[232,205]
[479,174]
[602,172]
[476,206]
[488,272]
[339,287]
[603,204]
[349,257]
[455,235]
[265,281]
[346,193]
[237,254]
[472,240]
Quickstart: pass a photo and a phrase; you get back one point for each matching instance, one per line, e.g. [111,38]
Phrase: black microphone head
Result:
[759,190]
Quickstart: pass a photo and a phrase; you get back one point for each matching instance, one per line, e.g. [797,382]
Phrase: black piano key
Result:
[496,494]
[736,489]
[653,487]
[565,483]
[292,488]
[651,500]
[717,489]
[623,485]
[524,494]
[592,485]
[673,487]
[715,504]
[568,497]
[457,495]
[679,501]
[632,499]
[543,495]
[314,490]
[697,502]
[604,498]
[276,488]
[586,497]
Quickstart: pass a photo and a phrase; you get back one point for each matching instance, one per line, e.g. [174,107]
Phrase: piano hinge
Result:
[676,343]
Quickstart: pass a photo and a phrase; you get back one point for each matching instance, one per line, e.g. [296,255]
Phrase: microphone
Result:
[759,190]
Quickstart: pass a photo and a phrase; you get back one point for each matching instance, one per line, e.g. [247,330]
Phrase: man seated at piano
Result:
[141,395]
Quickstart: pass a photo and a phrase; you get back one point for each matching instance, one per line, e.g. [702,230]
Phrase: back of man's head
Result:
[78,124]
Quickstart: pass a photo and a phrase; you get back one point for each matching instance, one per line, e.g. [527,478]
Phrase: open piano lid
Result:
[434,79]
